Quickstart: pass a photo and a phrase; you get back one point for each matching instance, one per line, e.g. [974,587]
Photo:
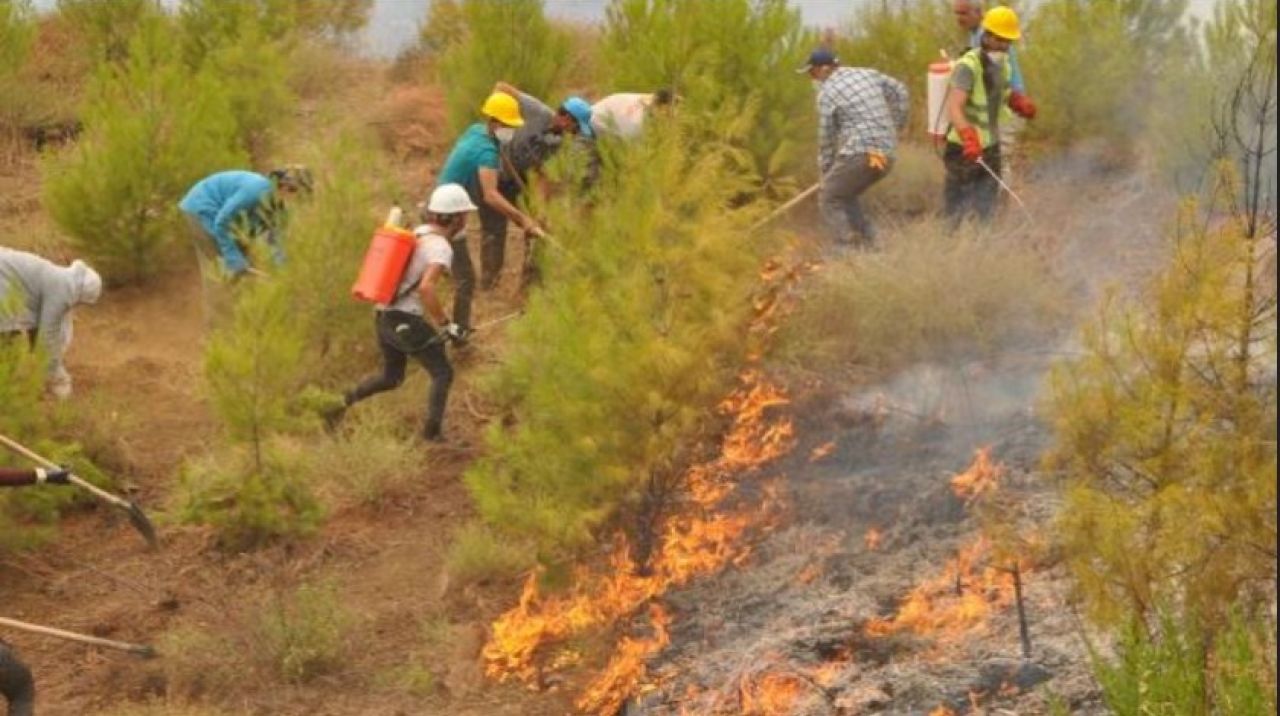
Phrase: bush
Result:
[328,236]
[478,554]
[17,29]
[105,29]
[635,334]
[507,40]
[151,131]
[1085,87]
[304,636]
[1166,432]
[886,312]
[247,505]
[240,43]
[731,62]
[370,460]
[1178,671]
[26,515]
[245,490]
[913,188]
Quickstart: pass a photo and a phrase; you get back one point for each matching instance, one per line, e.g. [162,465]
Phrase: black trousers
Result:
[463,273]
[402,336]
[969,188]
[493,235]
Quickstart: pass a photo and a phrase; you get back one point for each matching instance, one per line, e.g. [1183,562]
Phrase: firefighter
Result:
[981,86]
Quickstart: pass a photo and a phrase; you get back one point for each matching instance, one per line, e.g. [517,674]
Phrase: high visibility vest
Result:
[975,109]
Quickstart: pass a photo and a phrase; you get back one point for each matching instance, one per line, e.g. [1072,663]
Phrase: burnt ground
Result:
[797,617]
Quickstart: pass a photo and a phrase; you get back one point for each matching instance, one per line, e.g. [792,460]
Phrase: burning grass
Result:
[701,538]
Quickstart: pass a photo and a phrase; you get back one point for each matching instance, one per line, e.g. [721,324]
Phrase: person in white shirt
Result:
[37,297]
[402,325]
[623,114]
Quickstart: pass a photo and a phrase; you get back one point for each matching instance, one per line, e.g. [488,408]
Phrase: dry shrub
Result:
[322,69]
[932,296]
[303,636]
[914,187]
[371,459]
[292,638]
[411,122]
[478,554]
[200,662]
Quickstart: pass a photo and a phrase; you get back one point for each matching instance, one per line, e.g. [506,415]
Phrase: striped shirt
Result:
[859,110]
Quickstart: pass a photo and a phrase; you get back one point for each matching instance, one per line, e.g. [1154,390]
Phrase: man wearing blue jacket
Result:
[230,205]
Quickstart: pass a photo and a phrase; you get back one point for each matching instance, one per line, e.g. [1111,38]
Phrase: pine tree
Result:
[730,62]
[151,131]
[620,356]
[248,49]
[251,367]
[105,28]
[509,40]
[16,31]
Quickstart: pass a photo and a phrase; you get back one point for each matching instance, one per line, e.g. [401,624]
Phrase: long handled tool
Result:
[996,175]
[136,517]
[138,649]
[786,207]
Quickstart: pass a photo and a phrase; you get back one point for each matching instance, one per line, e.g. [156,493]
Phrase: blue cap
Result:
[580,110]
[817,58]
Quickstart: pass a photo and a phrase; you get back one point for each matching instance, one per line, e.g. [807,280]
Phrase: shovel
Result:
[136,517]
[137,649]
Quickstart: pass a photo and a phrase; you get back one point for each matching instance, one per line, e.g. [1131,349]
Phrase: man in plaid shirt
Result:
[860,112]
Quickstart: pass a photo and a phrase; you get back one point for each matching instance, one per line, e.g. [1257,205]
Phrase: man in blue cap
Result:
[541,136]
[860,113]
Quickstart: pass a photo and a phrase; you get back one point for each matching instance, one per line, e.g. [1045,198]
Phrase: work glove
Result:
[456,333]
[1022,105]
[877,161]
[971,144]
[58,476]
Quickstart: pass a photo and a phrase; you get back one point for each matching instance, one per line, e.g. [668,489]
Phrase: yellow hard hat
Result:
[504,108]
[1002,22]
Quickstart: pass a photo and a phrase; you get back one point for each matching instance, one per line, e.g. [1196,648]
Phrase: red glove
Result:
[971,143]
[1022,105]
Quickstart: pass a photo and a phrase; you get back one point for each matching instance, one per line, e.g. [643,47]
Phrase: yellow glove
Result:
[877,161]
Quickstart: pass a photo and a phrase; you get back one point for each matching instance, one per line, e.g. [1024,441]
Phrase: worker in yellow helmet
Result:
[981,85]
[475,164]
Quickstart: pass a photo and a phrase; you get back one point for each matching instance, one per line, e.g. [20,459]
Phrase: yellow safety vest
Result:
[975,109]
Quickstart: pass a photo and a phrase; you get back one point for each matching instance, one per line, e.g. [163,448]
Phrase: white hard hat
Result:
[450,199]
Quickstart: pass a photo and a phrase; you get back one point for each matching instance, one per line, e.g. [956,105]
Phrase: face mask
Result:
[997,56]
[504,134]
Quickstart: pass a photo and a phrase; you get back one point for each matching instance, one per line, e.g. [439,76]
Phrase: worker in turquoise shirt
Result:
[475,163]
[227,205]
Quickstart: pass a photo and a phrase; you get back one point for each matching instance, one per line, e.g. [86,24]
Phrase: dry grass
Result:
[932,296]
[478,554]
[914,187]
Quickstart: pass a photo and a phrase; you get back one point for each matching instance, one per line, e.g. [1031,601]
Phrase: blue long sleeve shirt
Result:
[219,200]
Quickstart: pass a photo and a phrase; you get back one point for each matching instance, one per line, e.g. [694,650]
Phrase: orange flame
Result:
[822,451]
[774,694]
[872,539]
[983,476]
[626,669]
[956,602]
[694,542]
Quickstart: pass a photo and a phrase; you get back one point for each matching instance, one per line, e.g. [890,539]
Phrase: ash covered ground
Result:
[871,518]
